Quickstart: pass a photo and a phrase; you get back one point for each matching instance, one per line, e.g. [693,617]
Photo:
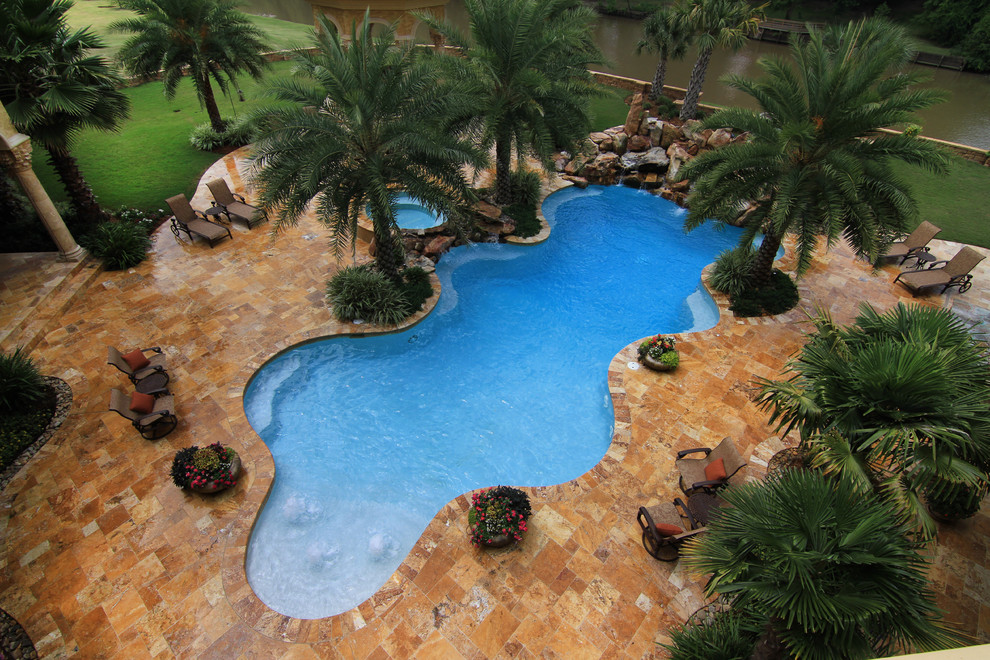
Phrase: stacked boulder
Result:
[647,152]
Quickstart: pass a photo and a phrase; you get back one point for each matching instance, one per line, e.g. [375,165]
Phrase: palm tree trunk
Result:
[658,78]
[763,261]
[81,196]
[503,166]
[389,252]
[210,103]
[697,80]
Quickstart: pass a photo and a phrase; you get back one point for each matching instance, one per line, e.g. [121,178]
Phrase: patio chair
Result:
[144,366]
[712,470]
[187,219]
[154,419]
[665,528]
[235,208]
[954,272]
[915,242]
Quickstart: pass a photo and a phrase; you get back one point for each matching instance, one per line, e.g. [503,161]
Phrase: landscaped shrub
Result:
[726,636]
[665,108]
[778,296]
[21,384]
[526,187]
[527,224]
[416,288]
[237,133]
[119,245]
[360,292]
[731,270]
[26,404]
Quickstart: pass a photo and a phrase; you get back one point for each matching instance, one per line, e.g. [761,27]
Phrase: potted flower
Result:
[498,516]
[658,353]
[207,470]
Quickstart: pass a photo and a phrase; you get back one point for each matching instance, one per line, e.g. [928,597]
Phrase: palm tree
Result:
[528,60]
[357,124]
[816,164]
[53,87]
[666,32]
[822,570]
[210,38]
[896,401]
[716,24]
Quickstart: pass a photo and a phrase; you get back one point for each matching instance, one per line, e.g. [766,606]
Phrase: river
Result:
[964,118]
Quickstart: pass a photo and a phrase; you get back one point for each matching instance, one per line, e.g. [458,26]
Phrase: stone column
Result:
[15,157]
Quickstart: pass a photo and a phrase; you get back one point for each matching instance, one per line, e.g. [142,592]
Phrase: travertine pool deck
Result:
[103,557]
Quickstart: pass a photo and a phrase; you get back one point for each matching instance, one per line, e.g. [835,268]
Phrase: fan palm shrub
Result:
[816,164]
[820,570]
[527,62]
[53,84]
[355,124]
[210,40]
[118,244]
[898,402]
[21,383]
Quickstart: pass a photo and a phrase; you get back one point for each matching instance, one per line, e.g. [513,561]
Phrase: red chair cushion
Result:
[142,404]
[715,471]
[668,530]
[136,359]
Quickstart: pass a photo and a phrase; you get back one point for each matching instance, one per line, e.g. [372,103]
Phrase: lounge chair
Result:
[186,219]
[149,373]
[915,242]
[153,424]
[954,272]
[235,208]
[665,528]
[706,473]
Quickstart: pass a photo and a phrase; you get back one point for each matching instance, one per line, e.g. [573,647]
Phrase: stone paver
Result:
[103,557]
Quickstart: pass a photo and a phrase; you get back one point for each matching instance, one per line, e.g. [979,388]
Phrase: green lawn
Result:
[150,159]
[609,110]
[956,202]
[99,14]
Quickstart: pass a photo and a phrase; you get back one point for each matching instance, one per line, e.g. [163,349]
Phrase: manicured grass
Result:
[99,14]
[150,159]
[956,202]
[609,110]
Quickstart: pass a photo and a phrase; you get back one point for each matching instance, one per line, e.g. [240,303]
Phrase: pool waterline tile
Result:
[213,310]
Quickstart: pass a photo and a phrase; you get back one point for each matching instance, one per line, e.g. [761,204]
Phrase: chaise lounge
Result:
[917,241]
[187,219]
[234,205]
[144,366]
[665,528]
[955,272]
[712,470]
[151,414]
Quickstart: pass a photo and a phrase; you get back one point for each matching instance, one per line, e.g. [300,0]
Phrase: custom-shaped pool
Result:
[410,214]
[505,382]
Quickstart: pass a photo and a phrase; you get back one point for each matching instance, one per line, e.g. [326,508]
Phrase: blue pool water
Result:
[410,214]
[504,383]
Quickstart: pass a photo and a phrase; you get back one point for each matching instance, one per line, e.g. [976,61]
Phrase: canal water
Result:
[963,119]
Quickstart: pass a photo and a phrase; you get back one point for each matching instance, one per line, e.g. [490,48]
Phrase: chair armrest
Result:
[916,250]
[685,452]
[240,198]
[708,485]
[678,502]
[149,416]
[157,392]
[933,264]
[156,349]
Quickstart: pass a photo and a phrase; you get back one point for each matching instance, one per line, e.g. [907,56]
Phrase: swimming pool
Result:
[505,382]
[410,214]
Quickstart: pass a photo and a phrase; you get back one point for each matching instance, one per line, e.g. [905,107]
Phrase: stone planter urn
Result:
[497,517]
[657,365]
[216,486]
[500,541]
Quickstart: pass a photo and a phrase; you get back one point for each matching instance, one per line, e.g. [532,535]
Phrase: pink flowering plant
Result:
[661,348]
[193,467]
[498,512]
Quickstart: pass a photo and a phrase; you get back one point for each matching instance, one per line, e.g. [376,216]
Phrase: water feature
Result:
[962,119]
[410,214]
[505,382]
